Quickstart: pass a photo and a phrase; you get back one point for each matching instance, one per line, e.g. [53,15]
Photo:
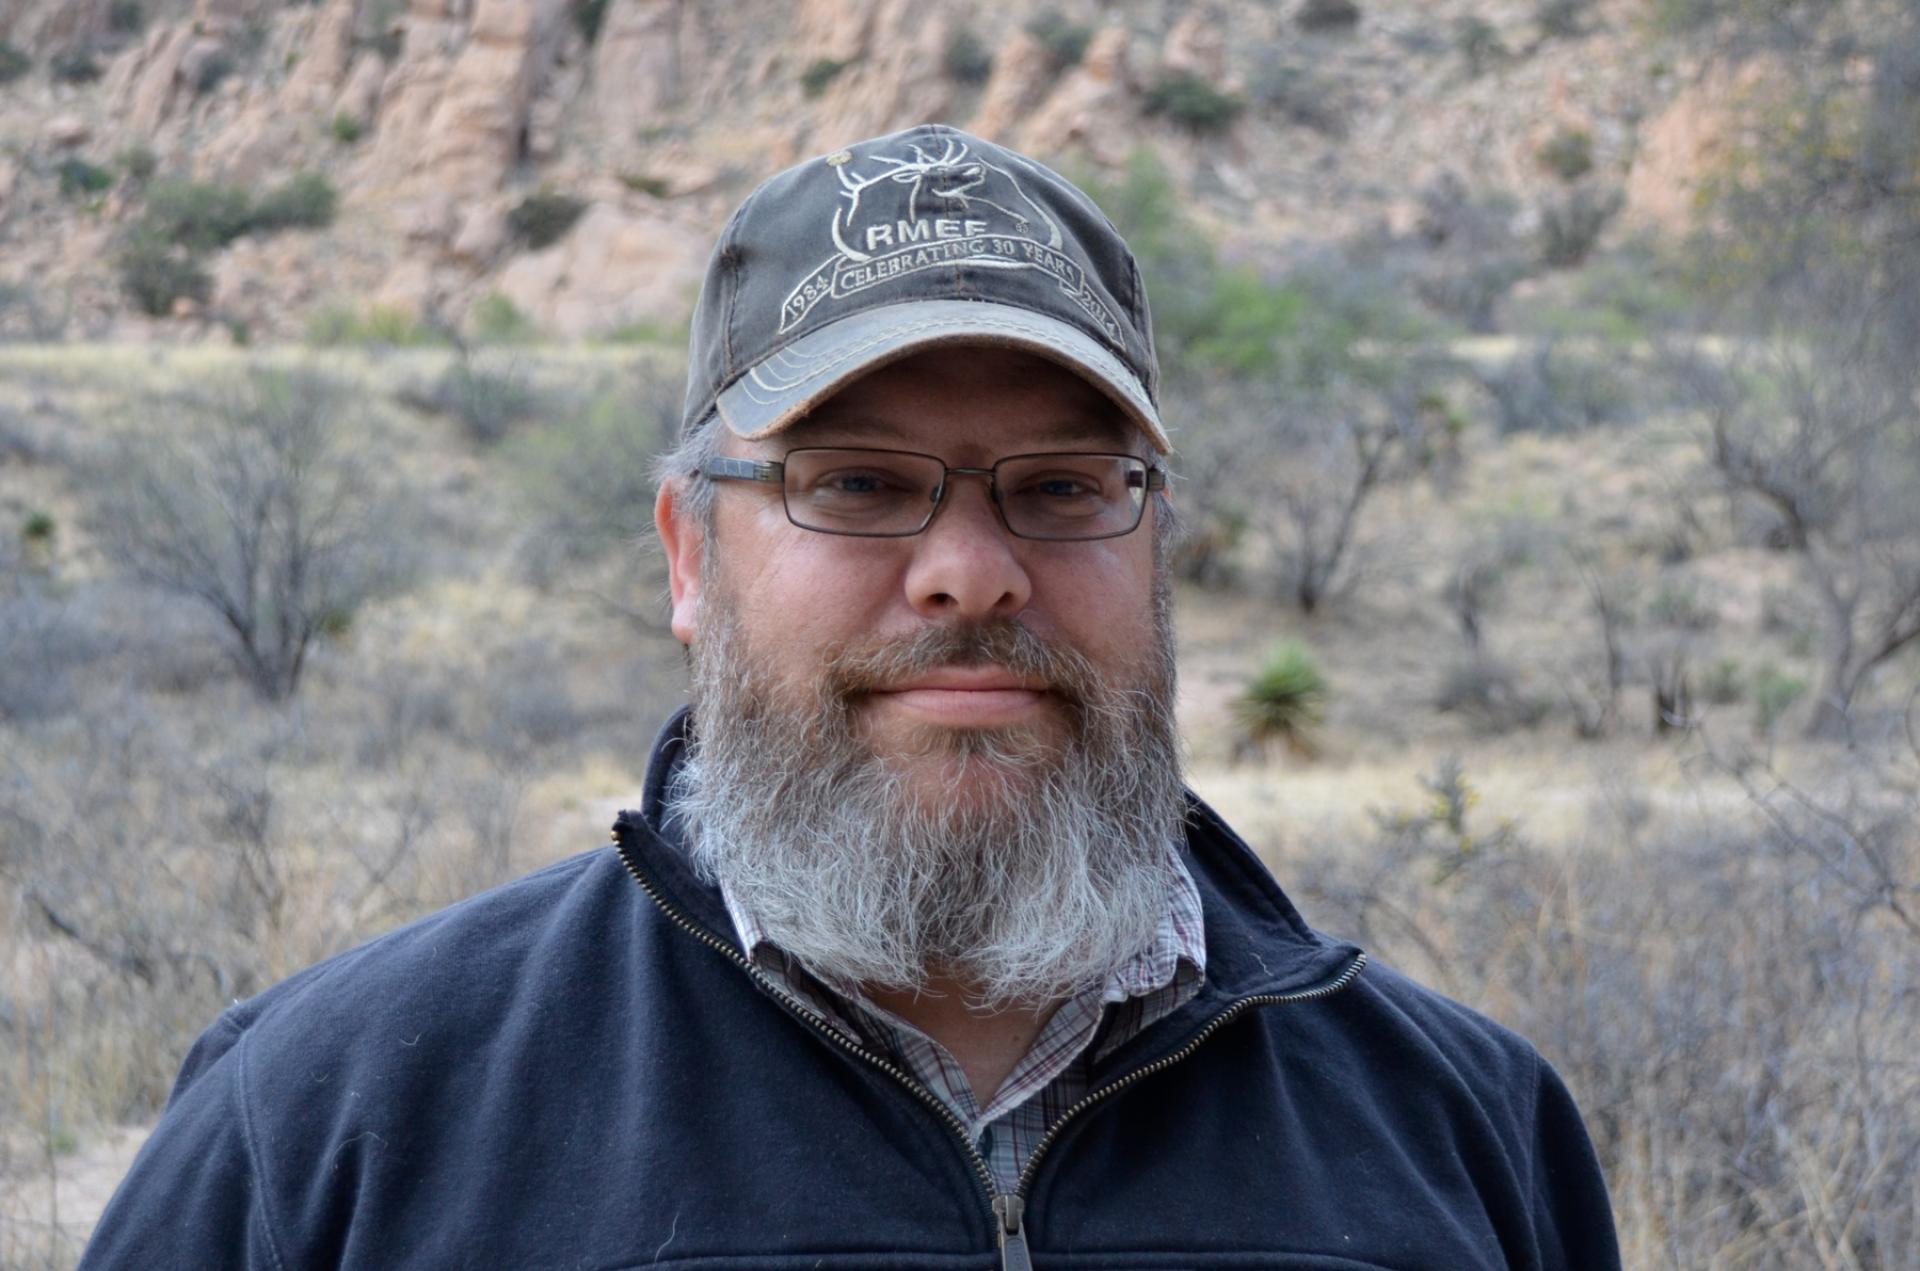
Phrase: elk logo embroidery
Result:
[900,214]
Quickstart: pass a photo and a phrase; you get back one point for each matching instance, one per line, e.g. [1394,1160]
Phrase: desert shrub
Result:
[155,275]
[1555,387]
[966,58]
[1479,44]
[1284,703]
[304,201]
[39,529]
[646,183]
[1298,93]
[214,69]
[544,217]
[587,475]
[1733,1002]
[1568,153]
[1562,19]
[486,402]
[588,15]
[125,17]
[75,64]
[197,215]
[819,73]
[1064,39]
[14,62]
[1487,693]
[79,178]
[1192,102]
[346,127]
[497,320]
[1723,682]
[260,513]
[1774,693]
[138,162]
[1570,228]
[1328,15]
[1680,605]
[390,326]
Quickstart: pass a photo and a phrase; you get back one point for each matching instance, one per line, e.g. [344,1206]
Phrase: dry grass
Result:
[1730,994]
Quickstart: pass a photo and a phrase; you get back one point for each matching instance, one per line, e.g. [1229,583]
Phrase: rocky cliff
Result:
[434,119]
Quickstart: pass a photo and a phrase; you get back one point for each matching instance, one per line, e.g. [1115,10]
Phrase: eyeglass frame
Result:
[774,471]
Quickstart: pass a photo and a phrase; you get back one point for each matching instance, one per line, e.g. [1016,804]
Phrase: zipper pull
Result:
[1009,1210]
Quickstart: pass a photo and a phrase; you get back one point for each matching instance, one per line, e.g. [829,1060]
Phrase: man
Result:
[916,953]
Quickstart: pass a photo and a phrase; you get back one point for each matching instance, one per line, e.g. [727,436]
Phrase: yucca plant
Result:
[1285,703]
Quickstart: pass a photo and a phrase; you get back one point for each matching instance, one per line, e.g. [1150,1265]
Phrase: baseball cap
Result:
[924,237]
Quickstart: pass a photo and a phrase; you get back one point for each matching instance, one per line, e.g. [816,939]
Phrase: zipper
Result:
[1008,1209]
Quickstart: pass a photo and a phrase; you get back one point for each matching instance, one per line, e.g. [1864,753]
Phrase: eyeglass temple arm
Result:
[744,470]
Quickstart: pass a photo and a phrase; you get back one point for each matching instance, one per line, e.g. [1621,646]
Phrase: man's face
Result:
[951,754]
[802,600]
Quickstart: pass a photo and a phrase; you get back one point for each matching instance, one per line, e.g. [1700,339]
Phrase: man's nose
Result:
[965,564]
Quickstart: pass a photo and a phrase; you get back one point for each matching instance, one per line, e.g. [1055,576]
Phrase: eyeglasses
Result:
[895,493]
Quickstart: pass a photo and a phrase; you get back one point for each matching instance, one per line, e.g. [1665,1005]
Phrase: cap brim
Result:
[805,373]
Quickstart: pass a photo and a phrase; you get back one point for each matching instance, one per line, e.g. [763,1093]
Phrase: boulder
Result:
[482,234]
[67,131]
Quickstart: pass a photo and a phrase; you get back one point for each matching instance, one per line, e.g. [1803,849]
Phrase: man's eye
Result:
[1060,486]
[858,483]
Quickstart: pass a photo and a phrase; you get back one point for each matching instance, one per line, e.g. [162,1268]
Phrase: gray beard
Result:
[1051,875]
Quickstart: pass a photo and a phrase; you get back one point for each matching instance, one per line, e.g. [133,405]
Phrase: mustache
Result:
[854,669]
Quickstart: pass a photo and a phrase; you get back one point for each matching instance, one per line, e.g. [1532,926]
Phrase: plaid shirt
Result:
[1054,1073]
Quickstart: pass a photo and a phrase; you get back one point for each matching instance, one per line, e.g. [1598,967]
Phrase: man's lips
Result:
[966,697]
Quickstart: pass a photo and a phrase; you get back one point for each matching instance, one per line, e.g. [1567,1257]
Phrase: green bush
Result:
[1562,19]
[1299,94]
[212,71]
[646,183]
[487,404]
[1284,703]
[305,201]
[388,325]
[1479,44]
[1570,229]
[1064,40]
[1328,15]
[543,219]
[497,320]
[819,73]
[78,178]
[197,215]
[347,128]
[39,529]
[1568,154]
[588,15]
[1774,691]
[138,162]
[967,59]
[1723,683]
[14,62]
[155,274]
[1192,102]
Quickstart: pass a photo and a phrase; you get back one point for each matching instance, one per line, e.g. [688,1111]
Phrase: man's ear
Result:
[683,542]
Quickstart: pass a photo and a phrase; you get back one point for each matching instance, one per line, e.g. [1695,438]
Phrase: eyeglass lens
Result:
[890,492]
